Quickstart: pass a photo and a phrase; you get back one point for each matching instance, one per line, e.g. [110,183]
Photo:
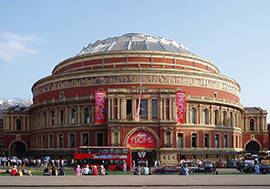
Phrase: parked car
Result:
[208,164]
[231,164]
[219,164]
[240,167]
[203,170]
[167,169]
[264,168]
[190,165]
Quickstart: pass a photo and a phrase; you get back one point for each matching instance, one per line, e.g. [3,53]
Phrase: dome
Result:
[135,42]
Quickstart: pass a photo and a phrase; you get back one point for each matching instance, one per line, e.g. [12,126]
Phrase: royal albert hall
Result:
[187,109]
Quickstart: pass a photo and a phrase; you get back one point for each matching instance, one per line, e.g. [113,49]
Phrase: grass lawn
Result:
[69,171]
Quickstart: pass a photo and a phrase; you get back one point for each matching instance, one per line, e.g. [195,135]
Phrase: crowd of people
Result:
[36,162]
[54,171]
[90,170]
[18,171]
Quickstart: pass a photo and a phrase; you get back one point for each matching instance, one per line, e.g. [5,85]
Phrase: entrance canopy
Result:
[142,140]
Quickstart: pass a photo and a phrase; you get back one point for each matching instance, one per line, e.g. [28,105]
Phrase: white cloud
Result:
[13,46]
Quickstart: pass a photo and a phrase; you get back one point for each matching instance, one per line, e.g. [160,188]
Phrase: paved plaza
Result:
[152,181]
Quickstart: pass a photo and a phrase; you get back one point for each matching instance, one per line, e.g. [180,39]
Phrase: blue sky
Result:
[233,34]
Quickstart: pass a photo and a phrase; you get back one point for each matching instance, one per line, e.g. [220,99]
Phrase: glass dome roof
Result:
[135,42]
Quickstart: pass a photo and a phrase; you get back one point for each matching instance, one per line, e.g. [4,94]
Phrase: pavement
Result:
[135,181]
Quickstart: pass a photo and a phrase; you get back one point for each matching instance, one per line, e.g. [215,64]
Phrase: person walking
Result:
[102,170]
[184,170]
[124,166]
[78,171]
[14,171]
[94,171]
[257,169]
[62,170]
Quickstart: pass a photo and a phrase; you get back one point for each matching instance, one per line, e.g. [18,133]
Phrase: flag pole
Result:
[140,77]
[137,118]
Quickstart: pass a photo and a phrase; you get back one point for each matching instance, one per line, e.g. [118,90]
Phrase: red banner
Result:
[180,106]
[100,107]
[142,140]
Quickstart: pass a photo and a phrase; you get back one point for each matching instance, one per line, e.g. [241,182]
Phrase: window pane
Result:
[61,117]
[73,116]
[194,140]
[129,107]
[154,107]
[86,116]
[206,140]
[217,141]
[180,141]
[85,139]
[144,107]
[72,141]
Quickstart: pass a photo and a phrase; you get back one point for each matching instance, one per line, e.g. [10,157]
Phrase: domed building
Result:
[187,109]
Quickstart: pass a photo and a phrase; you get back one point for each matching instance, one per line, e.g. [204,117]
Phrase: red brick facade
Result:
[62,115]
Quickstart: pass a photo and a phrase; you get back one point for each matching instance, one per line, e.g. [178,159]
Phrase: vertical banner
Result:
[180,106]
[137,118]
[100,107]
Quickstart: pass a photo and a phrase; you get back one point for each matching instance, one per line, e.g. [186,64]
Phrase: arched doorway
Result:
[144,146]
[252,147]
[18,149]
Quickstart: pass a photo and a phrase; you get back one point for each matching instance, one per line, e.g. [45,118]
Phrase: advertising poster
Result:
[100,107]
[180,106]
[142,140]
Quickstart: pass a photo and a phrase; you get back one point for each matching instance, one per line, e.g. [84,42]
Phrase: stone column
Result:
[123,108]
[134,109]
[93,113]
[211,114]
[109,109]
[165,108]
[199,114]
[118,108]
[173,109]
[170,108]
[12,123]
[5,124]
[66,117]
[149,105]
[56,116]
[112,109]
[160,109]
[78,115]
[187,113]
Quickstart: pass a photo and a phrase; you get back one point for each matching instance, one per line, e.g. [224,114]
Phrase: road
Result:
[135,181]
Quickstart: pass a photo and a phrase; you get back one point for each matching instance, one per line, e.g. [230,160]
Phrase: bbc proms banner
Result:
[100,107]
[142,140]
[180,106]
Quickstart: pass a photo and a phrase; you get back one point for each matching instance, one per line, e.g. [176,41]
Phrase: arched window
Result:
[18,124]
[61,117]
[45,118]
[231,119]
[192,115]
[251,124]
[73,116]
[224,118]
[52,117]
[205,116]
[235,120]
[216,117]
[115,138]
[86,116]
[168,136]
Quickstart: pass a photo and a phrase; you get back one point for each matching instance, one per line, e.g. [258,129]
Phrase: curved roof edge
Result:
[135,42]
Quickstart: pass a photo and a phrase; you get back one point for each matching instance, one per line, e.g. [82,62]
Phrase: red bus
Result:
[111,157]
